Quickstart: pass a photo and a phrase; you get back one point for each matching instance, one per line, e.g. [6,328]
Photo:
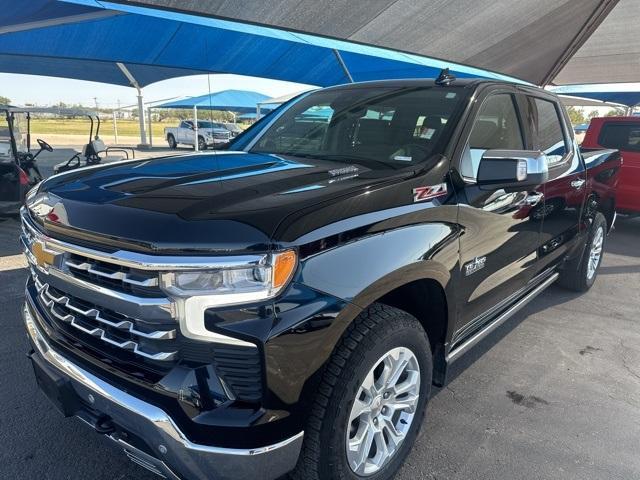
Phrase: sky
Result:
[29,89]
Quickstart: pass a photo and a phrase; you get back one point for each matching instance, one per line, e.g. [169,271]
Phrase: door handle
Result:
[533,199]
[578,183]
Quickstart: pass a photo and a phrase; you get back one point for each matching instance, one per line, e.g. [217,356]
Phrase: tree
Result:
[5,100]
[575,115]
[592,114]
[615,112]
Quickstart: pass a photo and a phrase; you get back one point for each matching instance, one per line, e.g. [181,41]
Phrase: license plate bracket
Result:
[57,388]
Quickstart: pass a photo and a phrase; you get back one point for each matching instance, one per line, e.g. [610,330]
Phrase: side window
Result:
[620,136]
[495,127]
[548,134]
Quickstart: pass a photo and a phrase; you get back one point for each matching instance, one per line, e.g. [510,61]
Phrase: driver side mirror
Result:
[512,169]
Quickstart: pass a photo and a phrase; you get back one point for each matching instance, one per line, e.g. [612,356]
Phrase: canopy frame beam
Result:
[593,22]
[141,114]
[343,65]
[54,22]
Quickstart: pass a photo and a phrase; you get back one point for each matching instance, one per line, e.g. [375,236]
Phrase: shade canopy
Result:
[528,39]
[94,40]
[629,96]
[240,101]
[323,42]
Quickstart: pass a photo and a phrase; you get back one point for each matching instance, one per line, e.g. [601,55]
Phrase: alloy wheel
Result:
[595,253]
[383,411]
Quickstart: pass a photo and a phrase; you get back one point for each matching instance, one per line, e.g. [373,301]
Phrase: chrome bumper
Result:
[174,455]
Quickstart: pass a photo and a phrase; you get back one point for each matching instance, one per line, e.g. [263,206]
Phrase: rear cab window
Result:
[621,136]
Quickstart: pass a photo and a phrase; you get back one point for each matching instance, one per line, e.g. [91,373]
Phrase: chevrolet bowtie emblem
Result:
[44,258]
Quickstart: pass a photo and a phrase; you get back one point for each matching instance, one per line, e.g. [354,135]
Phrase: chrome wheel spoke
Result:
[398,369]
[361,449]
[395,436]
[407,403]
[360,407]
[408,385]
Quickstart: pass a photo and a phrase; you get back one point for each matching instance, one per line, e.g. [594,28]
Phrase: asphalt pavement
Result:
[553,394]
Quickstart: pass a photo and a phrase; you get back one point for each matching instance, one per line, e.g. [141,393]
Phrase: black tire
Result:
[172,142]
[576,275]
[376,331]
[202,145]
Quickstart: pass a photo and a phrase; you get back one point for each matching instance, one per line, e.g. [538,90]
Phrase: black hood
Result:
[230,201]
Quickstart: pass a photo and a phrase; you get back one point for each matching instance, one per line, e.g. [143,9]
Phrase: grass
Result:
[80,126]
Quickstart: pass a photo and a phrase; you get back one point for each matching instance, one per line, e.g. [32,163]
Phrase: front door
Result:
[501,236]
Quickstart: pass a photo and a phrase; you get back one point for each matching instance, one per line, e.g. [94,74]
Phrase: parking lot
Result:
[554,393]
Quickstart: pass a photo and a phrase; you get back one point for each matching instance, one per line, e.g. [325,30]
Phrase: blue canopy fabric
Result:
[241,101]
[86,39]
[603,93]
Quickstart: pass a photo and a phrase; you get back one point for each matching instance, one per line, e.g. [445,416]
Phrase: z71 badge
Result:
[421,194]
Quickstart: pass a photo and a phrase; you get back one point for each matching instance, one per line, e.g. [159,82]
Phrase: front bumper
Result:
[162,447]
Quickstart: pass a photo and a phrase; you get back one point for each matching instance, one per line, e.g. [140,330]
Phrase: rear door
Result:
[500,240]
[625,136]
[566,188]
[185,132]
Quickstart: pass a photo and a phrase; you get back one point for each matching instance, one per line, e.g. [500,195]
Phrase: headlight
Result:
[193,291]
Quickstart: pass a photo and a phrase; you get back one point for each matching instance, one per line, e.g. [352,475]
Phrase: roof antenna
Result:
[445,78]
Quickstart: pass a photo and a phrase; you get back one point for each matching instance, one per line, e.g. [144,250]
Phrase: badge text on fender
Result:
[421,194]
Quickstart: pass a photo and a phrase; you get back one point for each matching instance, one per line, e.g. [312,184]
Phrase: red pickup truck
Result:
[621,133]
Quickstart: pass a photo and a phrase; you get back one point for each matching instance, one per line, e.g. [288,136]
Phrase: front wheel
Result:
[580,274]
[202,145]
[371,401]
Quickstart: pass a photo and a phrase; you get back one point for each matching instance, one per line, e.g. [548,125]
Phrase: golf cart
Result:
[18,168]
[95,151]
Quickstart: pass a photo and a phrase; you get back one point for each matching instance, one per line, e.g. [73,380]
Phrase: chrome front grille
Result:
[117,277]
[118,330]
[221,135]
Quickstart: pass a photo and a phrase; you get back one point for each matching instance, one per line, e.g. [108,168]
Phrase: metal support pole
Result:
[257,112]
[150,129]
[195,129]
[115,127]
[141,119]
[343,65]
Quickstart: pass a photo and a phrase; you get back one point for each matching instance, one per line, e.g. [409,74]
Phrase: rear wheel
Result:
[172,141]
[580,274]
[371,401]
[202,145]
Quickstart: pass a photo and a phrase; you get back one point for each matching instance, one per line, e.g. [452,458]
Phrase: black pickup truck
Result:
[285,306]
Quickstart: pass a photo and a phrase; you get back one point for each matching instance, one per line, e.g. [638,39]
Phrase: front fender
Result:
[364,270]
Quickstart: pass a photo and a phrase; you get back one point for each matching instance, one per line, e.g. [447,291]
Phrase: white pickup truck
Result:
[210,134]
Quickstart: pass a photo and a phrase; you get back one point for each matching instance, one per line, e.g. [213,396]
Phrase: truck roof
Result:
[420,82]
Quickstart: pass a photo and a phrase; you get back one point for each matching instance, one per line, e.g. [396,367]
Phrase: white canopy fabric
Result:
[529,39]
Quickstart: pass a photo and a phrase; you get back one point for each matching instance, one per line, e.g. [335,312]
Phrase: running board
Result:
[474,339]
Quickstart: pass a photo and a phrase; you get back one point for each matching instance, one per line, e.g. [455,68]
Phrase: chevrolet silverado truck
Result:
[623,134]
[210,134]
[284,307]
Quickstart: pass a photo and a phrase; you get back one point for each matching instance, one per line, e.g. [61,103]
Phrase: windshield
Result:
[209,125]
[19,131]
[389,126]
